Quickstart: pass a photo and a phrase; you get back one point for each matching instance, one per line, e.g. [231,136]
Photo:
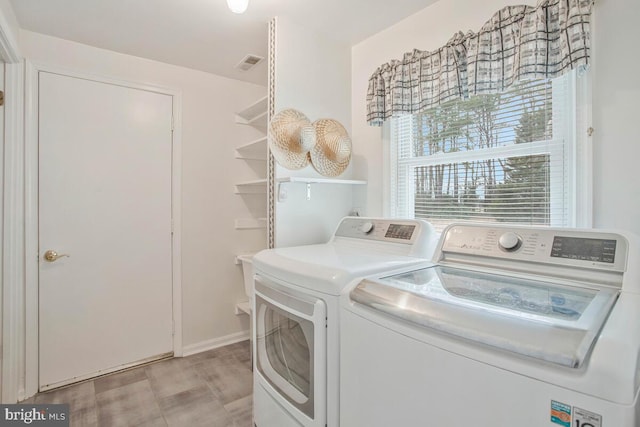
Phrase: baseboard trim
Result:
[199,347]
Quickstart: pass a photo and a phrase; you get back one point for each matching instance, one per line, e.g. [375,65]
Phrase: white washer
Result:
[512,326]
[296,326]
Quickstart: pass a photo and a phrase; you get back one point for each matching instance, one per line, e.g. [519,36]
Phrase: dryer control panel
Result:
[384,230]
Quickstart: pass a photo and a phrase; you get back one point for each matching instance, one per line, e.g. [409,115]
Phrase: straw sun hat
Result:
[295,142]
[291,137]
[331,154]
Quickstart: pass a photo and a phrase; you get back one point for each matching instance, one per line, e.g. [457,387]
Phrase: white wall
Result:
[616,92]
[211,282]
[312,76]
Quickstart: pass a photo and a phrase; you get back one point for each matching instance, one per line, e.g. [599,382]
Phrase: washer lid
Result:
[549,321]
[328,267]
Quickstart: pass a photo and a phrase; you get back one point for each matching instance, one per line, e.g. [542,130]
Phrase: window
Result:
[507,157]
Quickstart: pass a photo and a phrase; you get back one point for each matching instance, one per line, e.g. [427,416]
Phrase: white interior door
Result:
[105,201]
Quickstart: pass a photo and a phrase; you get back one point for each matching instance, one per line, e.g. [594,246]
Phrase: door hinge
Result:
[590,131]
[1,97]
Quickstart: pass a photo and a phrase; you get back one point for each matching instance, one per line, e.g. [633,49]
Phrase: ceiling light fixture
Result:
[238,6]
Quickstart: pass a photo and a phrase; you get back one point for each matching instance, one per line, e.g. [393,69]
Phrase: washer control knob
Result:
[367,227]
[510,241]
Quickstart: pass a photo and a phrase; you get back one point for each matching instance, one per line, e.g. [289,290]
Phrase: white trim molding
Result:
[584,151]
[176,222]
[199,347]
[13,239]
[31,229]
[31,207]
[12,219]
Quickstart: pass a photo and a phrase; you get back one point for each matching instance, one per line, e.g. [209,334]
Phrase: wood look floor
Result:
[212,388]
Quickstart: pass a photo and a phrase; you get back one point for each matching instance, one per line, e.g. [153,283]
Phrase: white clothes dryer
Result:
[296,324]
[510,326]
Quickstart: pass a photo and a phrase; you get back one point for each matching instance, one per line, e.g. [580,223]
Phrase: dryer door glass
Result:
[288,347]
[285,352]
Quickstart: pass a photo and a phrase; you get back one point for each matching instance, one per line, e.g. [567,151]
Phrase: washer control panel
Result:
[509,241]
[367,227]
[386,230]
[584,248]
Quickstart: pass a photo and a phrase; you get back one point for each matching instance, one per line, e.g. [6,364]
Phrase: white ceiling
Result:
[204,34]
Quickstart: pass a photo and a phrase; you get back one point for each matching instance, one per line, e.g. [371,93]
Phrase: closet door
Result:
[105,288]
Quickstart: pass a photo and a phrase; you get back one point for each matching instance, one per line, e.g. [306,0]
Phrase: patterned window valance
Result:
[517,43]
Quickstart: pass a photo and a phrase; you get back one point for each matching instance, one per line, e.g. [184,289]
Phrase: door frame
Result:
[12,218]
[32,71]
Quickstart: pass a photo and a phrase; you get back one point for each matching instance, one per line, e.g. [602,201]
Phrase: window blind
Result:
[503,157]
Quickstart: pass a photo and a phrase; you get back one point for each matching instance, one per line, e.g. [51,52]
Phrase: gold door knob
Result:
[51,255]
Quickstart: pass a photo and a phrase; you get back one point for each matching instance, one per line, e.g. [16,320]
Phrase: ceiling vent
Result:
[249,61]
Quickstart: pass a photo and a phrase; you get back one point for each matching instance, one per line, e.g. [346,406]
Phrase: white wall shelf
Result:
[304,180]
[243,307]
[254,219]
[254,115]
[257,186]
[250,223]
[250,190]
[252,183]
[242,257]
[254,150]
